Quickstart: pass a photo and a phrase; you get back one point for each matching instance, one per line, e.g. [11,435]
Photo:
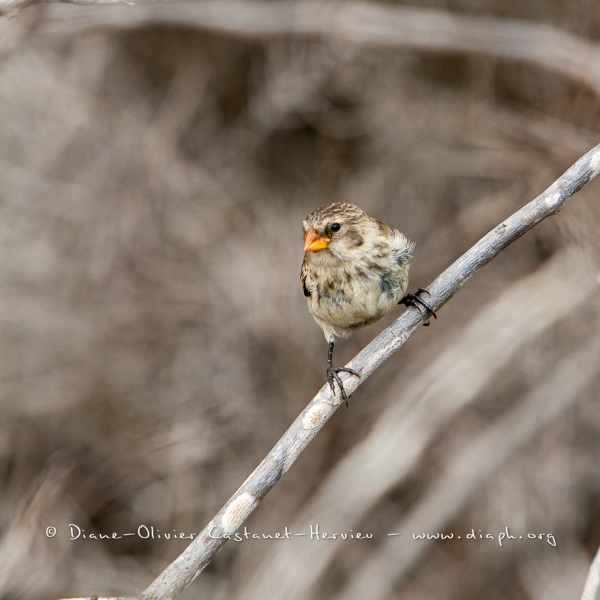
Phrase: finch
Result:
[355,270]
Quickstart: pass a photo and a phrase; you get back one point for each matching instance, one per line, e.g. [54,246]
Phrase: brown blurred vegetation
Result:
[154,340]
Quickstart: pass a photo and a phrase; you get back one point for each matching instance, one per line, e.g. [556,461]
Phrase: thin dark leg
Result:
[418,302]
[332,373]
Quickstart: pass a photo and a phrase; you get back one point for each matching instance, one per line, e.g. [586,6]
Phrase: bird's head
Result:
[337,230]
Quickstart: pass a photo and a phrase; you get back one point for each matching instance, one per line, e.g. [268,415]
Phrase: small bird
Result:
[355,270]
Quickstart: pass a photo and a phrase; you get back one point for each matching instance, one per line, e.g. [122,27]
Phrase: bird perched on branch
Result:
[355,270]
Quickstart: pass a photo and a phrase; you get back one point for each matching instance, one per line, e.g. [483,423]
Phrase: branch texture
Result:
[199,553]
[452,381]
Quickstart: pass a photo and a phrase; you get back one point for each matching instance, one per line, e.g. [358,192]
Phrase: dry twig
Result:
[452,381]
[200,552]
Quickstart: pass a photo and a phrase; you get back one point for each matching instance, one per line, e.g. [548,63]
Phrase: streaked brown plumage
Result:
[355,270]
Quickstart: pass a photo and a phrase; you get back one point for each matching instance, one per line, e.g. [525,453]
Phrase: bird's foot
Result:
[333,378]
[418,302]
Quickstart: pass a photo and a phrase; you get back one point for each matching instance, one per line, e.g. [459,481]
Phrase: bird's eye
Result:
[335,227]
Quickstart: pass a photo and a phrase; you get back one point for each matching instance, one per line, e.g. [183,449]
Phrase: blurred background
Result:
[156,164]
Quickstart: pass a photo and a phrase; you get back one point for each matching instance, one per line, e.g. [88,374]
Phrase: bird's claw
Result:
[333,378]
[418,302]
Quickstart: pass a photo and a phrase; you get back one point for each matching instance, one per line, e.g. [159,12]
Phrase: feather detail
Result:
[362,273]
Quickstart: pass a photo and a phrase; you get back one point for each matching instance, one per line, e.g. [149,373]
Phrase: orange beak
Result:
[313,241]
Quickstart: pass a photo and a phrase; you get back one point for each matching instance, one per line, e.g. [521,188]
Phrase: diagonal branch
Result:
[179,574]
[451,381]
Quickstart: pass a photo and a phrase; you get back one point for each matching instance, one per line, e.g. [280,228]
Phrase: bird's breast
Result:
[347,298]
